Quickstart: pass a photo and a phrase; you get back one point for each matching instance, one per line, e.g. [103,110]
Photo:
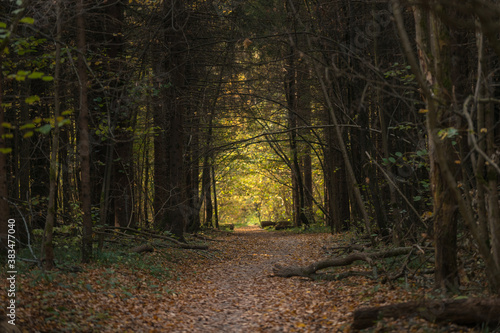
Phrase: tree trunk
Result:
[174,63]
[122,162]
[291,93]
[193,176]
[47,245]
[433,38]
[214,189]
[470,312]
[83,125]
[4,192]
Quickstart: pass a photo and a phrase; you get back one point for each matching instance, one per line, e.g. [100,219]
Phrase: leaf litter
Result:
[228,288]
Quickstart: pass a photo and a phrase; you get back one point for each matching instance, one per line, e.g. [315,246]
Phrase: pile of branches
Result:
[143,236]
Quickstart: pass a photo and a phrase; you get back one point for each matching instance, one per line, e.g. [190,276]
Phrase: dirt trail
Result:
[227,289]
[238,294]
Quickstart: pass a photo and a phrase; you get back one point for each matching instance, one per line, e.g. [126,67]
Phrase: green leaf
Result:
[422,152]
[45,129]
[28,134]
[35,75]
[5,150]
[417,198]
[6,125]
[398,154]
[27,20]
[32,99]
[392,160]
[63,122]
[3,25]
[48,78]
[26,126]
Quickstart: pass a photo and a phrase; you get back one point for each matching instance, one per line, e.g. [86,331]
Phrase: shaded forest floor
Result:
[228,288]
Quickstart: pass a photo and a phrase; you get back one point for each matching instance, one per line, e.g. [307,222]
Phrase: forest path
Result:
[228,288]
[238,293]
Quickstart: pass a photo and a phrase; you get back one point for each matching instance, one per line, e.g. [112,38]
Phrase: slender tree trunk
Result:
[216,212]
[493,195]
[193,182]
[299,216]
[83,125]
[206,190]
[4,193]
[48,246]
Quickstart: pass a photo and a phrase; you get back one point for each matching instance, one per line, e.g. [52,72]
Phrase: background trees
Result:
[174,115]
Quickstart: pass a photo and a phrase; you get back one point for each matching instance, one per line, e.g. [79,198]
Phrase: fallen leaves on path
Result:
[229,288]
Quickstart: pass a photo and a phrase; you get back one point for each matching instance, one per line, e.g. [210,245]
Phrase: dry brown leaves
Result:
[226,289]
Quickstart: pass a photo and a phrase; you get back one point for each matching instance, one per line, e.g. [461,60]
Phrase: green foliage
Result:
[152,264]
[401,72]
[449,133]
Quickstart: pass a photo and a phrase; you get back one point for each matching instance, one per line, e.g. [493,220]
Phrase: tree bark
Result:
[307,271]
[433,39]
[122,161]
[470,312]
[47,245]
[4,192]
[170,201]
[83,125]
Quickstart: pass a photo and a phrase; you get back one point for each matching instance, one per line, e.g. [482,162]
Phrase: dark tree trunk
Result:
[47,245]
[122,163]
[193,177]
[83,125]
[207,193]
[430,34]
[214,189]
[338,197]
[470,312]
[4,205]
[171,185]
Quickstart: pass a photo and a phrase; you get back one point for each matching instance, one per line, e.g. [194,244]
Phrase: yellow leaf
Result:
[423,111]
[484,130]
[300,325]
[427,215]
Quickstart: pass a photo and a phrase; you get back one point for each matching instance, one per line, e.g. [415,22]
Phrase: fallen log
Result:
[467,312]
[229,226]
[264,224]
[180,244]
[307,271]
[283,225]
